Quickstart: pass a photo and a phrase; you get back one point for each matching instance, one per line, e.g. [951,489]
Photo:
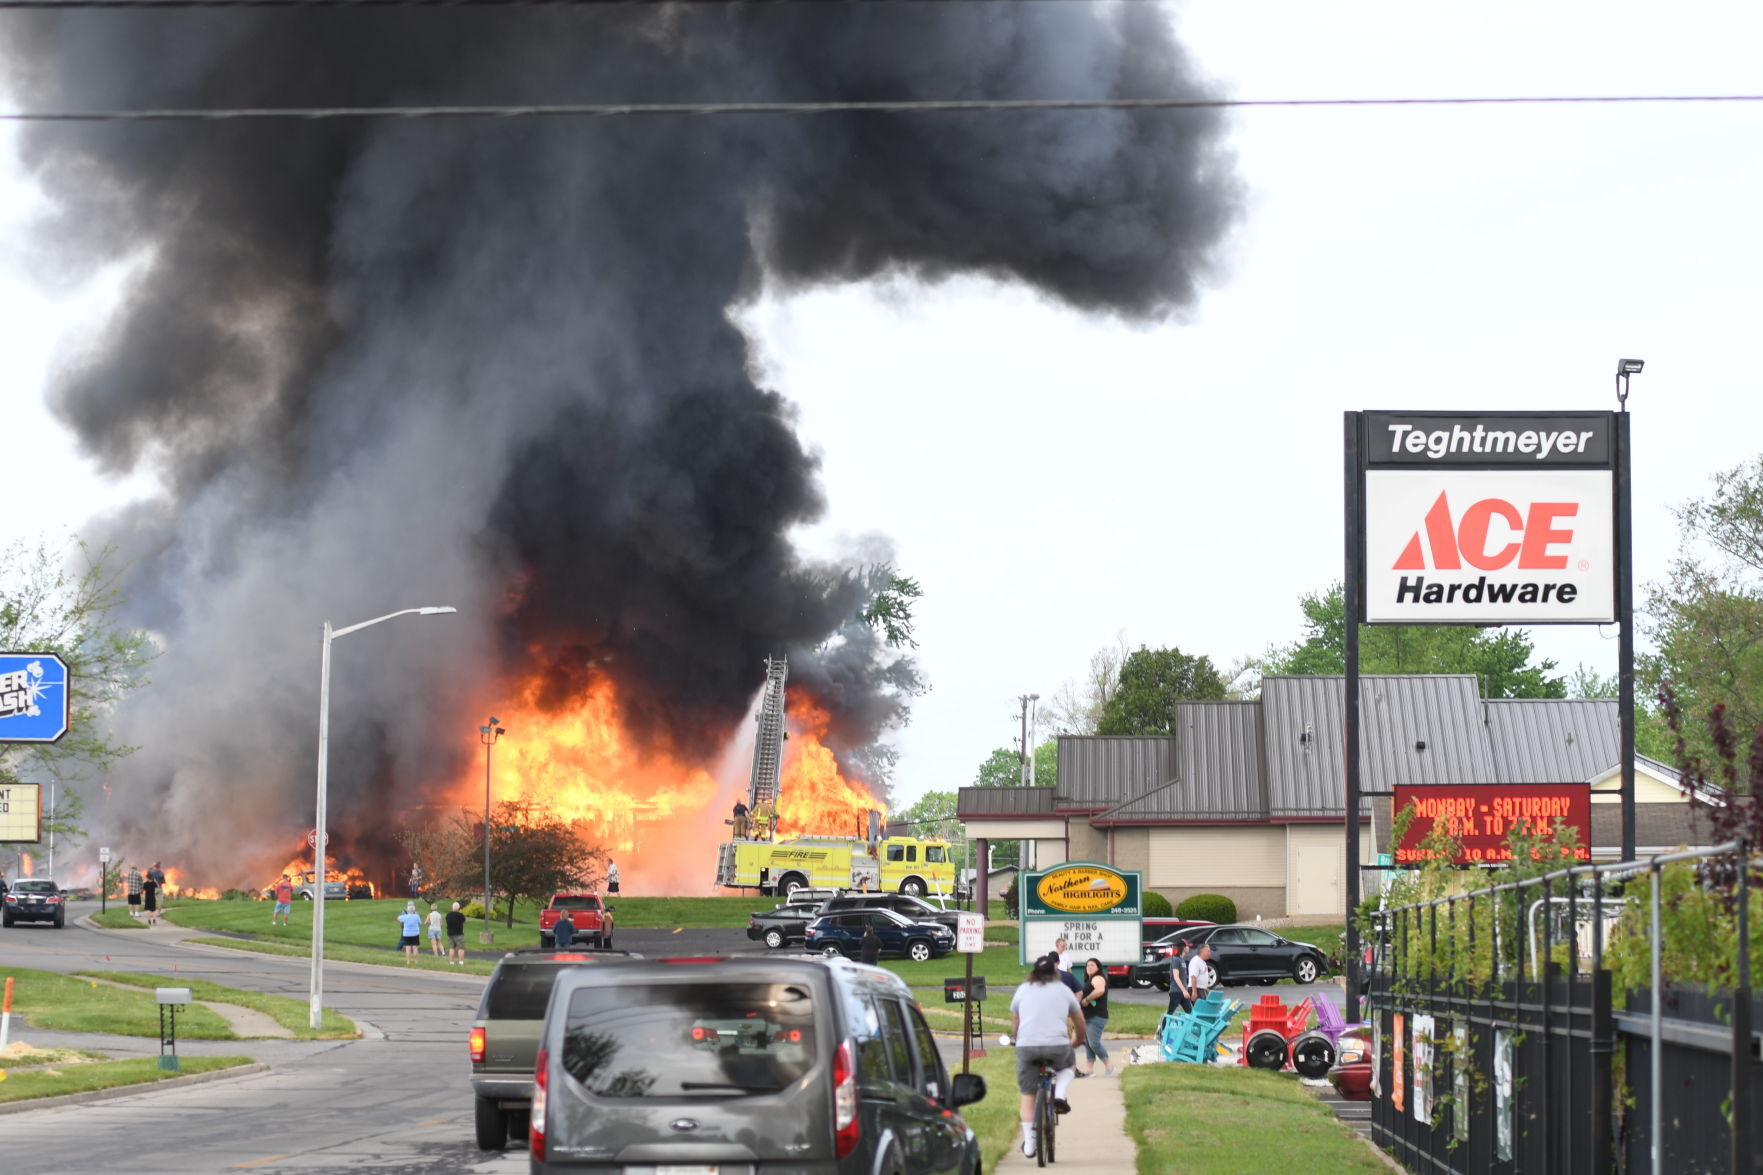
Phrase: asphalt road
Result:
[397,1101]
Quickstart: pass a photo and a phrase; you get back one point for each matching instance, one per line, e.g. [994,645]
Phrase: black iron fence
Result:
[1593,1019]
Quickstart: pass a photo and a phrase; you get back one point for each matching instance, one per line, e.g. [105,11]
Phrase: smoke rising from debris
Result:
[490,363]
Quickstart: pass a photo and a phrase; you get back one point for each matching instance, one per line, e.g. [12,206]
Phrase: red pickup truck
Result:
[592,918]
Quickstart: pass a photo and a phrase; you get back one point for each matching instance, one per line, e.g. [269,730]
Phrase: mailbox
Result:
[174,995]
[956,991]
[170,1000]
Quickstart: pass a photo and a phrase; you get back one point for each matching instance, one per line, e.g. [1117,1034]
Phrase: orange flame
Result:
[814,798]
[300,867]
[655,815]
[175,888]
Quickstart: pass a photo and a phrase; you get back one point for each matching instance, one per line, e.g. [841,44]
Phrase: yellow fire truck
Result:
[899,863]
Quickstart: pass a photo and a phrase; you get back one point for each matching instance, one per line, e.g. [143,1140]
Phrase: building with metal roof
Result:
[1247,798]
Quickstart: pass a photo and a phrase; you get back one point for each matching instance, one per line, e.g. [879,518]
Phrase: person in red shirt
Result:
[284,901]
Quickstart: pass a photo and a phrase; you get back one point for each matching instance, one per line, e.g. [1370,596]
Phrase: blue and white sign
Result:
[34,702]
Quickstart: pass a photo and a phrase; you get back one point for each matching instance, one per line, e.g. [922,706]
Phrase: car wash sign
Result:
[1487,518]
[33,698]
[1094,907]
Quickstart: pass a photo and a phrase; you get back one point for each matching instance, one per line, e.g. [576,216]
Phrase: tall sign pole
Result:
[1625,621]
[1352,592]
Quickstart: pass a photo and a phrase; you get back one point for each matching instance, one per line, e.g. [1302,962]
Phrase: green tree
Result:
[889,610]
[533,854]
[1003,767]
[1501,657]
[64,602]
[933,815]
[1706,618]
[1152,681]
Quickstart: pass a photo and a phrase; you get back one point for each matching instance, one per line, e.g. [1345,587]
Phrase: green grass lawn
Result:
[49,1081]
[360,922]
[998,965]
[67,1004]
[1224,1120]
[997,1117]
[289,1013]
[118,918]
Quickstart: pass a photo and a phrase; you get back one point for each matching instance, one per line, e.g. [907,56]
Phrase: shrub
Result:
[476,910]
[1156,906]
[1209,907]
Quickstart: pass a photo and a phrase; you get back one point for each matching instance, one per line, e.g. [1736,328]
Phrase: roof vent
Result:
[1420,745]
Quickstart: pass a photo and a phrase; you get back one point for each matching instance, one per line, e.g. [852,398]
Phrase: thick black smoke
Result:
[490,363]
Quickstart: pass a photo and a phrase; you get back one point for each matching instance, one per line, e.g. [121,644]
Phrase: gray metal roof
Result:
[1218,760]
[971,802]
[1568,740]
[1100,771]
[1301,721]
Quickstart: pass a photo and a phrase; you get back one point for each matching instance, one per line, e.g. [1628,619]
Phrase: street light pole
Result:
[315,1008]
[488,736]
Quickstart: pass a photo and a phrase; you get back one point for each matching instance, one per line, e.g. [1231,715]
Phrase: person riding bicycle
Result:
[1047,1025]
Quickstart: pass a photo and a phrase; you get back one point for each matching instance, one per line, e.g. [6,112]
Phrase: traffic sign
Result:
[312,839]
[970,933]
[34,706]
[104,854]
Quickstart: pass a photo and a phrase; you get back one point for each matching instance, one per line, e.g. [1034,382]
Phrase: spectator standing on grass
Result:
[563,933]
[410,933]
[870,946]
[434,928]
[158,876]
[1046,1025]
[611,875]
[456,934]
[150,899]
[284,900]
[132,884]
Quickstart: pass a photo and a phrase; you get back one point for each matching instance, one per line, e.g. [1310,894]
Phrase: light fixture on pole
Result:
[1624,369]
[488,736]
[319,836]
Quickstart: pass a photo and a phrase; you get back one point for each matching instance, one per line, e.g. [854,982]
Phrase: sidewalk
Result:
[1092,1139]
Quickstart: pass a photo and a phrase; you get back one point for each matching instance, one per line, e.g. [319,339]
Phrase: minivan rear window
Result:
[520,992]
[689,1040]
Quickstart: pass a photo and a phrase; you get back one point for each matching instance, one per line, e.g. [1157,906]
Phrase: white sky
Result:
[1053,479]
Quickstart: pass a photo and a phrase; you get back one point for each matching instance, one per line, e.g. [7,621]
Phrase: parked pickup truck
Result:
[592,918]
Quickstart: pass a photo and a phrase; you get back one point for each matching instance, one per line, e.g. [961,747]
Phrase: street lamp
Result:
[319,836]
[488,736]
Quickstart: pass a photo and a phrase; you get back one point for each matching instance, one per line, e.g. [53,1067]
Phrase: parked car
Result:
[504,1038]
[306,887]
[1245,953]
[842,934]
[33,899]
[591,916]
[908,907]
[1351,1072]
[1151,931]
[786,924]
[746,1065]
[1154,969]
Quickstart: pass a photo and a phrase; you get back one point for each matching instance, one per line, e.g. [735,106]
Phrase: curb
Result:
[117,1091]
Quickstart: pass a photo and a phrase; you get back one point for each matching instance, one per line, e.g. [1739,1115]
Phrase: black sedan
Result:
[33,899]
[1247,952]
[786,924]
[842,934]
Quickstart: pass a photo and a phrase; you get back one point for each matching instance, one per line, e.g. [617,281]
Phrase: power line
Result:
[46,4]
[908,106]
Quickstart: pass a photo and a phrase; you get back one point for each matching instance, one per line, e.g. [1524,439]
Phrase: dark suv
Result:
[505,1036]
[842,934]
[748,1065]
[908,907]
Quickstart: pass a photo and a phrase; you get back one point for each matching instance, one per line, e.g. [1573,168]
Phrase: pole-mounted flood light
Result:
[1624,369]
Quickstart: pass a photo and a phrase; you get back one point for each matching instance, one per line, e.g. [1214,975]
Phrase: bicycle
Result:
[1046,1114]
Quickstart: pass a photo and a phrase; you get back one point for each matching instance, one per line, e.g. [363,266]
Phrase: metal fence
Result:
[1499,1045]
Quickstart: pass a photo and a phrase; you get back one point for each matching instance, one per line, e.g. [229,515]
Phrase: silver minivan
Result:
[745,1067]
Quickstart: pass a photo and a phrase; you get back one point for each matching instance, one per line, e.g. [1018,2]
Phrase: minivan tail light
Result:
[477,1046]
[845,1120]
[535,1139]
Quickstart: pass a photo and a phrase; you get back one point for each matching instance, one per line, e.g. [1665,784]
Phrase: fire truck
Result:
[900,863]
[752,860]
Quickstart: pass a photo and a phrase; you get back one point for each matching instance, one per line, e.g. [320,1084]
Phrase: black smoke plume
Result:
[490,363]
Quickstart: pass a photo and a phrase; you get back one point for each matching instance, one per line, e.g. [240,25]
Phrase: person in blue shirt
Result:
[563,931]
[410,923]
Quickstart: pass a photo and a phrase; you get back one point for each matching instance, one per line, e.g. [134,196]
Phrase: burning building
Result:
[489,362]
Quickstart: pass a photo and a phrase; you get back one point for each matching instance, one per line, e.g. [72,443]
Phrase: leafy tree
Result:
[1706,618]
[933,815]
[1152,681]
[890,605]
[533,854]
[49,604]
[1003,767]
[1501,657]
[1077,709]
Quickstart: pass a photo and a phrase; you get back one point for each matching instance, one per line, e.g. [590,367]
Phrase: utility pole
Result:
[1034,733]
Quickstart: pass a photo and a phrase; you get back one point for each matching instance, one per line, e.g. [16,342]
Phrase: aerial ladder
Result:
[768,752]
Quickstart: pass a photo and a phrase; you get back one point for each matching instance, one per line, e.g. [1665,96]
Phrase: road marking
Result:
[258,1162]
[435,1121]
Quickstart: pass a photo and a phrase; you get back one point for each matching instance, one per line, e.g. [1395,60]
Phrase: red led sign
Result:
[1482,815]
